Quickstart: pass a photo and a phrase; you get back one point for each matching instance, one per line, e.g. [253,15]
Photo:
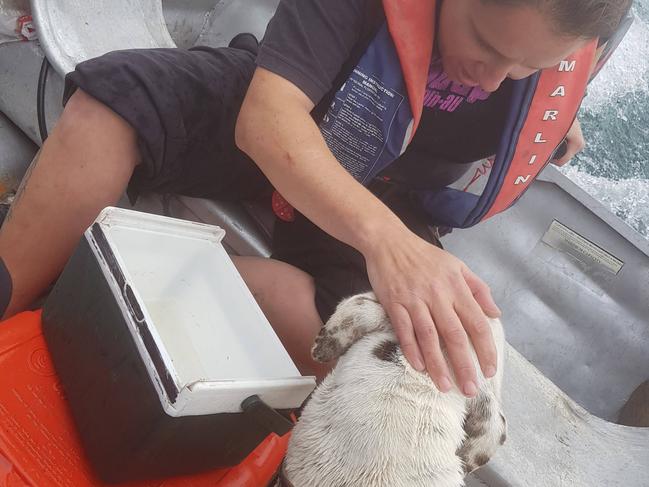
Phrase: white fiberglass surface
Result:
[205,316]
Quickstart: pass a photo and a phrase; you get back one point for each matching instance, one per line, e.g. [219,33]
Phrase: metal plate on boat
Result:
[567,240]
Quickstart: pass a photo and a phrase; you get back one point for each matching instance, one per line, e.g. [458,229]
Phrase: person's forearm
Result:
[286,144]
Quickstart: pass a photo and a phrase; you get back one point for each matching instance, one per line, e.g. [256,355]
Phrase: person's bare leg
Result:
[83,167]
[286,296]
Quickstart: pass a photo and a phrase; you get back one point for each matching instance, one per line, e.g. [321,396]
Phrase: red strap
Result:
[282,208]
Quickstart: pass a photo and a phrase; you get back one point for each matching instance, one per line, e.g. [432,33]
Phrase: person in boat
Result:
[361,114]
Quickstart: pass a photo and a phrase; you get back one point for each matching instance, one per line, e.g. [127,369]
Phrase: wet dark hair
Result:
[579,18]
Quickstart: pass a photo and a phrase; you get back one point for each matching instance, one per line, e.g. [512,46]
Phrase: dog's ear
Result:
[354,318]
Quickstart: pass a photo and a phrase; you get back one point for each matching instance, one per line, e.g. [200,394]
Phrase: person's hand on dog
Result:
[432,297]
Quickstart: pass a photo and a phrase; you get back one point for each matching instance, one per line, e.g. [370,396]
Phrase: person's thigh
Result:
[183,105]
[286,296]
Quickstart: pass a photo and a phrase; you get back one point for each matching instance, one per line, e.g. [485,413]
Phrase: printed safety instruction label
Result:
[566,240]
[357,121]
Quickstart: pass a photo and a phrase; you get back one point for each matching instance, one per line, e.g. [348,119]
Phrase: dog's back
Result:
[375,421]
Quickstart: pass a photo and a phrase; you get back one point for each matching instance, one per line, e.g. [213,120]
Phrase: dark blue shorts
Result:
[183,105]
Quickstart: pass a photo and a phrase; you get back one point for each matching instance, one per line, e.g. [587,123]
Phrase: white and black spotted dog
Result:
[375,421]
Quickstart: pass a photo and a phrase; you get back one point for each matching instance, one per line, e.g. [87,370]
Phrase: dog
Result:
[374,421]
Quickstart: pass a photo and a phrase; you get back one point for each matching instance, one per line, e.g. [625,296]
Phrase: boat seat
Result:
[71,31]
[552,441]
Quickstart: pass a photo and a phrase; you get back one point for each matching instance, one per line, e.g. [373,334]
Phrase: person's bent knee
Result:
[83,110]
[85,119]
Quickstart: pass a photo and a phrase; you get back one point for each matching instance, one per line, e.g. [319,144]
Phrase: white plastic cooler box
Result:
[167,362]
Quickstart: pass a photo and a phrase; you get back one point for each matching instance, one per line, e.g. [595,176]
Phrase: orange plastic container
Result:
[38,443]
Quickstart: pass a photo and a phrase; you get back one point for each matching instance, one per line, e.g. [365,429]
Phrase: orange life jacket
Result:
[537,124]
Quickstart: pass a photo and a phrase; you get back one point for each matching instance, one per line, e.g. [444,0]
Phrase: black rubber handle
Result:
[261,413]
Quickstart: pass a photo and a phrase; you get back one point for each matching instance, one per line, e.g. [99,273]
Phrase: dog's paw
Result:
[486,429]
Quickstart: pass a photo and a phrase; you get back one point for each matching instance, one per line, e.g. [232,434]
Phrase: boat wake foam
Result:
[627,198]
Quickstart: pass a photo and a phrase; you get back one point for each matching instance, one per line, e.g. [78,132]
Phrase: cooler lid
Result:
[201,335]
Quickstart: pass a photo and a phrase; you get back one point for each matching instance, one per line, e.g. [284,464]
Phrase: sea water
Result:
[614,167]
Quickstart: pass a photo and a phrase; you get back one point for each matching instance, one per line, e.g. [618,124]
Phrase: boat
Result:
[571,278]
